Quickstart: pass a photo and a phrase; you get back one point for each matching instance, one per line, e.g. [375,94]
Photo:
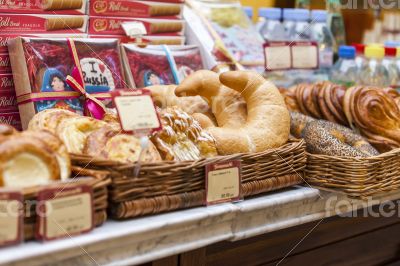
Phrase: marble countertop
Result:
[149,238]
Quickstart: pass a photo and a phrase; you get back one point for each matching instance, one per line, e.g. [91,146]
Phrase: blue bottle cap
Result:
[289,14]
[270,13]
[392,44]
[249,11]
[348,52]
[302,14]
[319,15]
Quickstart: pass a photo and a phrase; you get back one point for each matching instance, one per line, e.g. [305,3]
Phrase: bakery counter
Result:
[152,238]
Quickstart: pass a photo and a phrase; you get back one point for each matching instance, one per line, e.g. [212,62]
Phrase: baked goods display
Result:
[265,125]
[31,158]
[373,112]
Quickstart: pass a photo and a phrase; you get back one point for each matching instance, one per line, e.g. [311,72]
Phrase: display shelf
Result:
[154,237]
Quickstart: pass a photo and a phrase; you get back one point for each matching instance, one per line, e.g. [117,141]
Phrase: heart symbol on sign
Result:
[102,68]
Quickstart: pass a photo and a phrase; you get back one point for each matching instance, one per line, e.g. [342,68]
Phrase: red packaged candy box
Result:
[15,23]
[132,8]
[12,119]
[70,7]
[5,65]
[8,101]
[156,65]
[112,26]
[6,82]
[41,65]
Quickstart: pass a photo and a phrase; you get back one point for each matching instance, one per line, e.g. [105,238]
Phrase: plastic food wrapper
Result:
[160,64]
[225,34]
[70,7]
[147,39]
[41,65]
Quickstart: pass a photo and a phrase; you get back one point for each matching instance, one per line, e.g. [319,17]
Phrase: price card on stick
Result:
[223,182]
[11,218]
[64,211]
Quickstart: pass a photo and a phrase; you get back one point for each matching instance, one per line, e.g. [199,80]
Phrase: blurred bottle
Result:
[272,29]
[302,29]
[336,22]
[345,71]
[289,22]
[303,4]
[321,33]
[249,11]
[360,56]
[373,72]
[389,62]
[394,44]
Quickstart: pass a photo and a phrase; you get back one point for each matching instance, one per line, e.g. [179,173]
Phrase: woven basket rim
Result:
[292,143]
[356,159]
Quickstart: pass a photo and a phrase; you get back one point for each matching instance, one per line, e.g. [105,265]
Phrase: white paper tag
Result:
[11,218]
[134,28]
[277,57]
[304,56]
[223,182]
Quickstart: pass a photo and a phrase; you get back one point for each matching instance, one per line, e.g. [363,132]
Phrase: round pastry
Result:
[57,146]
[26,162]
[74,131]
[7,130]
[298,122]
[97,140]
[324,137]
[49,119]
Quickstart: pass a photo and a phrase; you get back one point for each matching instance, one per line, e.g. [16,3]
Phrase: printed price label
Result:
[11,218]
[134,28]
[136,111]
[291,55]
[64,211]
[223,182]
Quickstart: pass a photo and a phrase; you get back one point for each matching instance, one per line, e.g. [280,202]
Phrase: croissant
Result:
[375,113]
[25,162]
[228,106]
[267,124]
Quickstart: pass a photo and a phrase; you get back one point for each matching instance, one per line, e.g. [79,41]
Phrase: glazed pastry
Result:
[7,130]
[55,145]
[267,124]
[26,162]
[49,119]
[290,98]
[324,137]
[74,131]
[182,137]
[228,106]
[333,98]
[298,122]
[376,114]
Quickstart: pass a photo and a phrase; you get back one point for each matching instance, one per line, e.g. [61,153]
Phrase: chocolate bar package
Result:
[40,67]
[11,118]
[133,8]
[23,23]
[147,39]
[5,65]
[160,64]
[112,25]
[64,7]
[6,37]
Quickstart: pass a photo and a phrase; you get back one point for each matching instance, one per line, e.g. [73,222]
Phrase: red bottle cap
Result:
[360,48]
[390,51]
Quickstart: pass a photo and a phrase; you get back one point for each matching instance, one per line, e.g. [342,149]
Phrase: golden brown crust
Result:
[15,145]
[97,140]
[7,130]
[49,119]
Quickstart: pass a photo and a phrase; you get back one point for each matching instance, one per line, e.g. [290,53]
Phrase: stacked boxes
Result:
[33,18]
[161,19]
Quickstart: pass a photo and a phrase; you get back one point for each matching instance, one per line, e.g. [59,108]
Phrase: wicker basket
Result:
[168,186]
[100,199]
[356,177]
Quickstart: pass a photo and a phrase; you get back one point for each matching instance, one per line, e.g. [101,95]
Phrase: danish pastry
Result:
[49,119]
[57,146]
[74,131]
[26,162]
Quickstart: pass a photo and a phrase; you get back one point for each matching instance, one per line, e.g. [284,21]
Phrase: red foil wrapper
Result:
[150,66]
[5,65]
[8,101]
[148,39]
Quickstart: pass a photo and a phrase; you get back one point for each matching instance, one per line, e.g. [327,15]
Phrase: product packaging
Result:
[50,7]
